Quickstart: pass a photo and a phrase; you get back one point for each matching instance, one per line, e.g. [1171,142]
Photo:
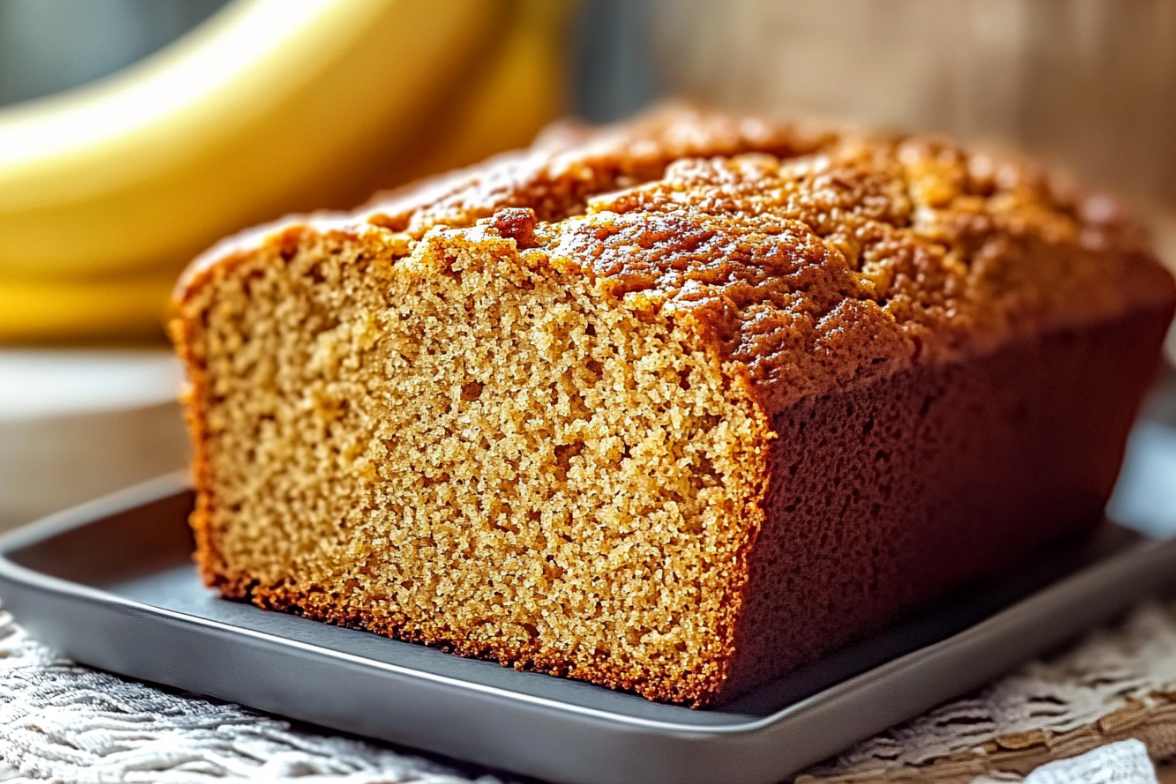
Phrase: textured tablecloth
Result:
[63,722]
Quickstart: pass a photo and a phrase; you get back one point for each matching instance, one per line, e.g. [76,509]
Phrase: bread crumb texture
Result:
[526,411]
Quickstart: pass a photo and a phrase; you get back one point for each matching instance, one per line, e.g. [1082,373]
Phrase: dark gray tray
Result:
[110,584]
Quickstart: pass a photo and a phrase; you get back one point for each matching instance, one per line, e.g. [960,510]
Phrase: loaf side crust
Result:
[889,495]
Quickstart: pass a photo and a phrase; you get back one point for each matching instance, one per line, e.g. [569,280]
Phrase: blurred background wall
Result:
[1089,85]
[1086,85]
[46,47]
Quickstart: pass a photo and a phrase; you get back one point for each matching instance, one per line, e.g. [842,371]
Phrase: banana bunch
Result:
[269,107]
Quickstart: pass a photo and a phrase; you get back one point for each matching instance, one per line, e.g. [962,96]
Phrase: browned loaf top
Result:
[815,258]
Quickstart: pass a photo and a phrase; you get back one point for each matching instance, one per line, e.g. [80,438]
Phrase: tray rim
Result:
[1146,550]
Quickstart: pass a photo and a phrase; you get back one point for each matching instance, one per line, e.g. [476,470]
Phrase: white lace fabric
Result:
[63,722]
[1119,682]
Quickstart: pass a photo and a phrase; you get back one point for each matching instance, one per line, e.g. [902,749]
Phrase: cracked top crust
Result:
[814,259]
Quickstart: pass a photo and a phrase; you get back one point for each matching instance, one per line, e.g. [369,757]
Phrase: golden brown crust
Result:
[816,258]
[873,257]
[568,165]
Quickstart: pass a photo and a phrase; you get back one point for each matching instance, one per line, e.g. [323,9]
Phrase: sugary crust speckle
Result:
[818,258]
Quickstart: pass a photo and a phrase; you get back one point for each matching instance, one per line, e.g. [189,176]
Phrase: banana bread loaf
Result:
[672,406]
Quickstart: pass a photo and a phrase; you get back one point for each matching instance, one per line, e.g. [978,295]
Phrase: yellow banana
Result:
[269,106]
[519,90]
[120,306]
